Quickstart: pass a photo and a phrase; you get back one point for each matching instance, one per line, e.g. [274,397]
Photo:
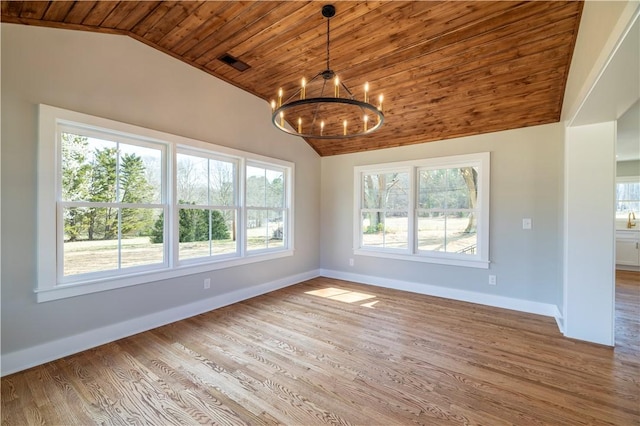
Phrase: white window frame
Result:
[478,260]
[50,287]
[209,155]
[286,208]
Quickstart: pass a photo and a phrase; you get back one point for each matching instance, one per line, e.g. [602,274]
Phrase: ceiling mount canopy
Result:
[324,107]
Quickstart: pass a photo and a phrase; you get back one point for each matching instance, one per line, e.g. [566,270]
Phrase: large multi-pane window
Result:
[433,210]
[121,205]
[111,195]
[207,205]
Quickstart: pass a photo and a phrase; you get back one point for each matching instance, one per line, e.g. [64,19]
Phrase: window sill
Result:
[87,287]
[475,263]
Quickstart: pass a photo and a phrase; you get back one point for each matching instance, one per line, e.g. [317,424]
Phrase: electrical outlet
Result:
[492,280]
[351,261]
[207,283]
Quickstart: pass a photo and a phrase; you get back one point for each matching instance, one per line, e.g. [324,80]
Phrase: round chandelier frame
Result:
[362,116]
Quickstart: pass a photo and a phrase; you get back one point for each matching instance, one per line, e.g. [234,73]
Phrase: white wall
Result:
[526,181]
[121,79]
[589,232]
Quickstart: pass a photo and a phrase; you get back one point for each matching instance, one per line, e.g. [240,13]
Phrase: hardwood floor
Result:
[291,357]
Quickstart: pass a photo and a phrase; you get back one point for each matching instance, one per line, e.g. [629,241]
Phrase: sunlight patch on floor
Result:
[346,296]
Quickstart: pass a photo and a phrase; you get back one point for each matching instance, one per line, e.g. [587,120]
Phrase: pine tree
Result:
[75,182]
[134,188]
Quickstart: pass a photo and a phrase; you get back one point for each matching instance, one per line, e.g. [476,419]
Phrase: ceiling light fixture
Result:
[324,108]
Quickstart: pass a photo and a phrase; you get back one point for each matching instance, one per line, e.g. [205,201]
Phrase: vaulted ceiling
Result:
[447,69]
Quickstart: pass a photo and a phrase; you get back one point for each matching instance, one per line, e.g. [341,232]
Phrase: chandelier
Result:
[324,108]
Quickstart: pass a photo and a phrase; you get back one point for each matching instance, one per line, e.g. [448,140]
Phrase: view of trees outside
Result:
[447,199]
[385,217]
[207,201]
[265,208]
[113,215]
[446,202]
[108,192]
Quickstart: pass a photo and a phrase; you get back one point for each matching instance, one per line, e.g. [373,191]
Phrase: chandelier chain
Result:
[328,30]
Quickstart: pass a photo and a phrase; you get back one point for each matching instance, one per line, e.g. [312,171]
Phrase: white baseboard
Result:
[546,309]
[630,268]
[26,358]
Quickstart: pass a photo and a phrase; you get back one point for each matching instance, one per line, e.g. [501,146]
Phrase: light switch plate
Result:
[526,223]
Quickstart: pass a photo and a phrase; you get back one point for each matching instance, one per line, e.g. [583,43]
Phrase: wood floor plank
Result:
[359,355]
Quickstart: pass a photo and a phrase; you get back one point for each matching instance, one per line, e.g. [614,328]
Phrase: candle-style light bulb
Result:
[303,88]
[366,92]
[273,105]
[282,119]
[380,99]
[344,124]
[337,87]
[299,124]
[321,127]
[280,97]
[366,120]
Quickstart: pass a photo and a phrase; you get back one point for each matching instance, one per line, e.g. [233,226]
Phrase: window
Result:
[627,198]
[120,205]
[111,193]
[207,205]
[266,210]
[432,210]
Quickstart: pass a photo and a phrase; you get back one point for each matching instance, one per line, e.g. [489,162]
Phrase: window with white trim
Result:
[207,205]
[266,212]
[120,205]
[432,210]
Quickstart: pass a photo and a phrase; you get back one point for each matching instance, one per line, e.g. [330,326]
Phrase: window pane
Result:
[457,189]
[454,188]
[140,174]
[257,229]
[88,169]
[256,187]
[385,230]
[223,231]
[627,199]
[192,179]
[205,232]
[265,229]
[275,188]
[194,233]
[461,233]
[275,228]
[386,191]
[221,182]
[373,229]
[432,189]
[452,232]
[142,242]
[396,230]
[90,240]
[431,234]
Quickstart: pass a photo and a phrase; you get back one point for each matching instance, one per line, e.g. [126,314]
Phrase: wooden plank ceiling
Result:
[446,69]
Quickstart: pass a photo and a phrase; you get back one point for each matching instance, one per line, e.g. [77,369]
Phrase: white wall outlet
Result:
[526,223]
[207,283]
[351,261]
[492,280]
